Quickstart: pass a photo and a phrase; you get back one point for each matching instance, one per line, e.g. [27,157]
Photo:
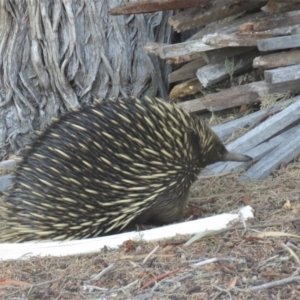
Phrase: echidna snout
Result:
[101,168]
[232,156]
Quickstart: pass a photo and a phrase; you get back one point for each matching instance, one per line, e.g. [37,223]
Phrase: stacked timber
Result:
[242,54]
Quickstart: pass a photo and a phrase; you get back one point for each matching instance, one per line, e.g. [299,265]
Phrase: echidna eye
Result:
[220,153]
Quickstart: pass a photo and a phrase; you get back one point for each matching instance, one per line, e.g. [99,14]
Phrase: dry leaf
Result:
[243,109]
[232,282]
[287,205]
[129,245]
[247,199]
[250,237]
[210,267]
[6,281]
[167,248]
[270,274]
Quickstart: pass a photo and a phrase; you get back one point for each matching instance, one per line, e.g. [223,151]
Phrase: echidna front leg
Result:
[165,210]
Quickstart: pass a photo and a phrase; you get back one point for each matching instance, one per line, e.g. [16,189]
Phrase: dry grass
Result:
[165,270]
[270,99]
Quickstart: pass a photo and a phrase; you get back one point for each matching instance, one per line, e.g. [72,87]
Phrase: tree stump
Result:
[59,54]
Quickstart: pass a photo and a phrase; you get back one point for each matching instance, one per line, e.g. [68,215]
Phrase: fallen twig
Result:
[273,283]
[153,251]
[152,281]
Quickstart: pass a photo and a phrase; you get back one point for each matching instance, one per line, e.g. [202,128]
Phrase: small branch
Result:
[274,283]
[152,252]
[102,273]
[152,281]
[215,259]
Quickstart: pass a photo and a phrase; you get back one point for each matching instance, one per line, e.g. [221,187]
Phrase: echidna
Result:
[104,167]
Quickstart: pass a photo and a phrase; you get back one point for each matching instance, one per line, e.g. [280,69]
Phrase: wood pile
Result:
[253,46]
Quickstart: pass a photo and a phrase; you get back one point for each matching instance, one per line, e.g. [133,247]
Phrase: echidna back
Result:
[98,169]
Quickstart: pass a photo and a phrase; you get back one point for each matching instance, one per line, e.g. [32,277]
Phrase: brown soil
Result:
[245,262]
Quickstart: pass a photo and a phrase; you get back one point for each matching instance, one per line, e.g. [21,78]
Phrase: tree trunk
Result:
[59,54]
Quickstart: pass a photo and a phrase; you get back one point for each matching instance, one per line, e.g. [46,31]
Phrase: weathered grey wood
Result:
[275,60]
[277,43]
[281,31]
[187,71]
[5,182]
[267,129]
[228,25]
[239,95]
[225,130]
[8,164]
[213,73]
[189,87]
[169,51]
[151,6]
[257,153]
[219,40]
[279,20]
[193,105]
[197,17]
[184,58]
[214,56]
[148,6]
[195,45]
[284,153]
[283,74]
[275,6]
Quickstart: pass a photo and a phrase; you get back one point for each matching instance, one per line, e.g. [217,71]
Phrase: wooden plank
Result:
[213,73]
[277,43]
[229,25]
[194,46]
[5,182]
[267,129]
[232,97]
[175,50]
[187,71]
[273,6]
[169,51]
[189,87]
[217,55]
[271,22]
[184,58]
[276,60]
[283,74]
[148,6]
[257,153]
[197,17]
[219,40]
[240,95]
[193,106]
[8,164]
[225,130]
[287,150]
[280,31]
